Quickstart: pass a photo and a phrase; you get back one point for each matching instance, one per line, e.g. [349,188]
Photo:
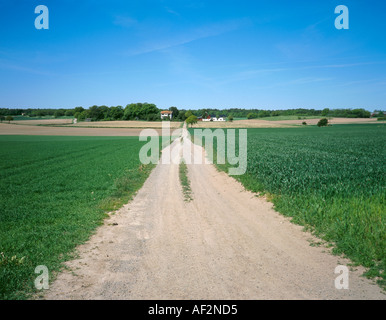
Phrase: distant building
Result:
[377,114]
[166,114]
[212,118]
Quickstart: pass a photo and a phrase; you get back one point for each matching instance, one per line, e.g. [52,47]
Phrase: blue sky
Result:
[193,54]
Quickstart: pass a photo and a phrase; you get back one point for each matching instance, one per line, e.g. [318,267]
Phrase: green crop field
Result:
[54,192]
[331,180]
[280,118]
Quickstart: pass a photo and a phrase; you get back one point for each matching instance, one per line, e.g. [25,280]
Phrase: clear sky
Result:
[276,54]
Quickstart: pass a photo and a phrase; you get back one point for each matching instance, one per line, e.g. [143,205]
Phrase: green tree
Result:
[9,119]
[69,113]
[104,112]
[149,109]
[191,120]
[230,118]
[116,113]
[84,115]
[96,113]
[325,112]
[188,114]
[59,113]
[322,122]
[263,114]
[175,112]
[361,113]
[2,118]
[181,116]
[37,113]
[379,113]
[78,109]
[131,111]
[140,111]
[252,115]
[152,117]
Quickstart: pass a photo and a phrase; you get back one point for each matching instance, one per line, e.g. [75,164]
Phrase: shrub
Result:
[9,118]
[323,122]
[252,115]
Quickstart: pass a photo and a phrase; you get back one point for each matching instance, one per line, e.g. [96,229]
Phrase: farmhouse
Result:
[212,118]
[376,114]
[166,114]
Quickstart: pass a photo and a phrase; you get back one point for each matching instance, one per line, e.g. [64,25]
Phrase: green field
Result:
[331,180]
[54,192]
[281,118]
[18,118]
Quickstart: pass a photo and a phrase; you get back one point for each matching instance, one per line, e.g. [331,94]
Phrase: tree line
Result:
[150,112]
[262,113]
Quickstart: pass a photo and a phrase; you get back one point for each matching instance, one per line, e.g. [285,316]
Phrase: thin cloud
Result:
[344,65]
[363,82]
[296,82]
[124,21]
[5,64]
[172,12]
[203,32]
[308,80]
[250,74]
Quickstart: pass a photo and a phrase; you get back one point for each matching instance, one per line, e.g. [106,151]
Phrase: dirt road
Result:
[224,244]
